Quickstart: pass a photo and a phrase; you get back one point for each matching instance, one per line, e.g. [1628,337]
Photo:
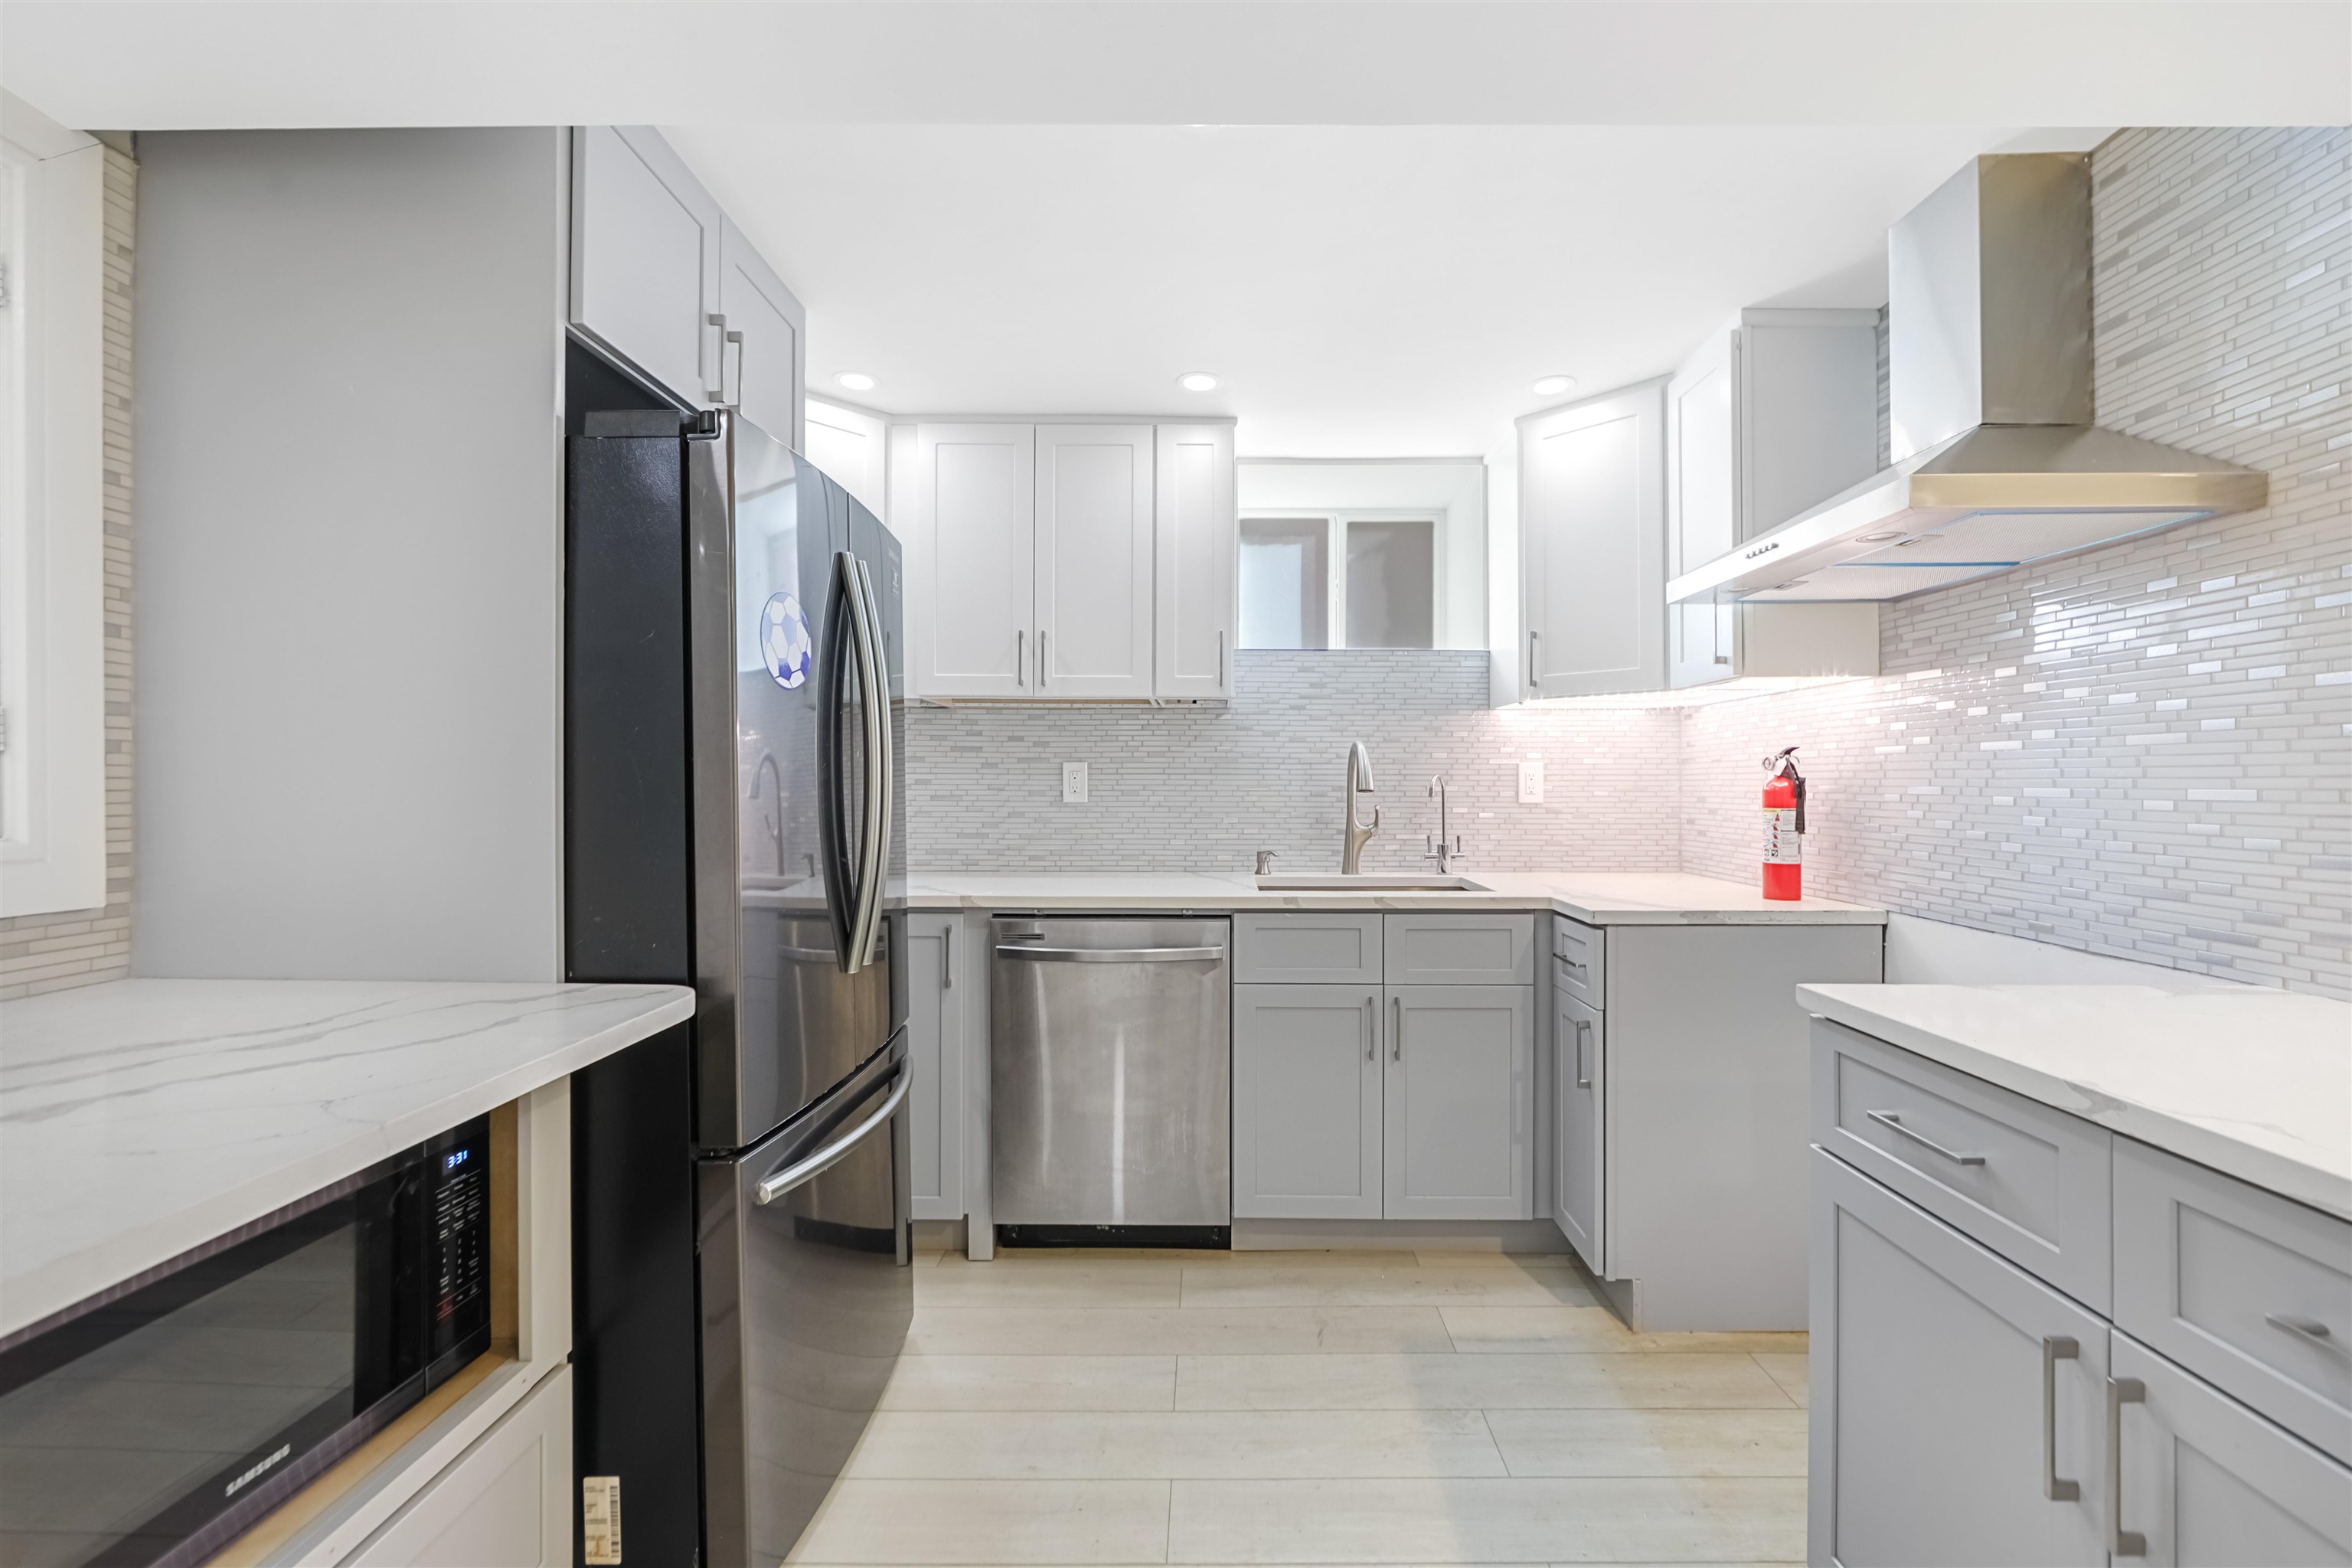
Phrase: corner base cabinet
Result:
[1676,1071]
[1967,1407]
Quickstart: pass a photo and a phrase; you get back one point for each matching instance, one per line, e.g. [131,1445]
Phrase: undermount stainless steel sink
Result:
[1370,884]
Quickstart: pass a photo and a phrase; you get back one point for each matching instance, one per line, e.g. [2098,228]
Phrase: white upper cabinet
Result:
[972,585]
[1078,563]
[761,327]
[1094,556]
[664,280]
[1774,414]
[1194,583]
[1592,535]
[645,259]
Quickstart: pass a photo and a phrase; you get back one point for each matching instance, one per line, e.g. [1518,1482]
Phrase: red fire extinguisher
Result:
[1784,827]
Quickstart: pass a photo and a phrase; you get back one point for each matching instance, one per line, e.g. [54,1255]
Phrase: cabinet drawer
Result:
[1307,950]
[2029,1182]
[1461,950]
[1576,959]
[2243,1288]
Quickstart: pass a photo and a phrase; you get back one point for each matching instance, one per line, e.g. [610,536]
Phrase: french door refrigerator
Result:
[733,820]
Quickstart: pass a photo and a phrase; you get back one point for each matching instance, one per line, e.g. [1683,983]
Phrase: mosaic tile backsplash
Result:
[2143,751]
[1202,789]
[2146,750]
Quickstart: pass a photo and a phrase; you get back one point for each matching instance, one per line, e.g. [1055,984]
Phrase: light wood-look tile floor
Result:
[1088,1407]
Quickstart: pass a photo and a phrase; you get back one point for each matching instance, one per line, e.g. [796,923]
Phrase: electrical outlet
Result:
[1531,784]
[1074,783]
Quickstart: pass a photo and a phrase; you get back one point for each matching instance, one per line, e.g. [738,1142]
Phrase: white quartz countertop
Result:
[1600,898]
[2254,1082]
[141,1118]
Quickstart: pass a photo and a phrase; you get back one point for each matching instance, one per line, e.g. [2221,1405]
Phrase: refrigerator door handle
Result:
[776,1183]
[843,897]
[873,699]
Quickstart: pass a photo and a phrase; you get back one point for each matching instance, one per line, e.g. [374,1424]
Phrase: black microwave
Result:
[156,1422]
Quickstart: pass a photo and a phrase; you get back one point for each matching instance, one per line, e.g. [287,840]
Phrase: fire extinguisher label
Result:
[1783,845]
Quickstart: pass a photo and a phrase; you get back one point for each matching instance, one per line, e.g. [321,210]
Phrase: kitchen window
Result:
[1354,579]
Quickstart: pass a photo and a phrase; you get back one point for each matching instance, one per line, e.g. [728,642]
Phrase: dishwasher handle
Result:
[1108,955]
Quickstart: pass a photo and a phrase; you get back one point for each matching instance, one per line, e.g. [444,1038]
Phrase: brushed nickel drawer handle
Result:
[2121,1543]
[2310,1331]
[1894,1123]
[1113,955]
[2055,1348]
[1583,1033]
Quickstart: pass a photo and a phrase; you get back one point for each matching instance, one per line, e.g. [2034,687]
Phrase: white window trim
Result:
[1335,557]
[52,529]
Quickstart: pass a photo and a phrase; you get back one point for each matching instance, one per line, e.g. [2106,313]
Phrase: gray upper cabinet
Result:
[1307,950]
[1460,950]
[760,325]
[1773,413]
[1591,528]
[1459,1102]
[2204,1480]
[645,269]
[1957,1403]
[937,968]
[1307,1101]
[1578,1066]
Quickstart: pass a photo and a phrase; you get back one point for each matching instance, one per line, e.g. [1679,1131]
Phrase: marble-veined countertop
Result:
[2253,1082]
[141,1118]
[1598,897]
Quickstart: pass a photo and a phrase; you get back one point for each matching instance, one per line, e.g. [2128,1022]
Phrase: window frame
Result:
[1335,523]
[52,521]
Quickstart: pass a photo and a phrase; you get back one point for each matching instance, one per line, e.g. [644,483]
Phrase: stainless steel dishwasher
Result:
[1111,1052]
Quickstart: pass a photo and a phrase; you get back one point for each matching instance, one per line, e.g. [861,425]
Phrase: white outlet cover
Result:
[1074,783]
[1531,784]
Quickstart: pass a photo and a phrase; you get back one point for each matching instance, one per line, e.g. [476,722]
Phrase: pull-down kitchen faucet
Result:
[1357,834]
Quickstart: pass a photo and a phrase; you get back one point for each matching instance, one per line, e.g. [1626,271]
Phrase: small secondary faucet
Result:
[1437,850]
[1357,834]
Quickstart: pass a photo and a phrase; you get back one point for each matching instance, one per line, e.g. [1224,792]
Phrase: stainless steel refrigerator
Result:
[734,817]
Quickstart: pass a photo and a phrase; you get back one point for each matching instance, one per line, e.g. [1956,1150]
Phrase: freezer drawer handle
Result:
[777,1183]
[1894,1123]
[1109,955]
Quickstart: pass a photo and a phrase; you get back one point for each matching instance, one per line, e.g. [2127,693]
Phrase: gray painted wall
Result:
[350,587]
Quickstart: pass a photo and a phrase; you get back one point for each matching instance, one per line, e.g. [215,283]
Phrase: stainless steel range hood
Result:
[1997,463]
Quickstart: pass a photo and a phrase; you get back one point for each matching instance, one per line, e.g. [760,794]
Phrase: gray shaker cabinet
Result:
[1949,1423]
[1459,1102]
[938,971]
[645,259]
[2205,1480]
[1307,1101]
[1579,1065]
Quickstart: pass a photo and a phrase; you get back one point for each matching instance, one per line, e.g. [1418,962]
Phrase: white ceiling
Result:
[1377,220]
[1363,292]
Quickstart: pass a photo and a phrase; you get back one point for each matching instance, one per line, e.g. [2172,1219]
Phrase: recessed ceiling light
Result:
[1552,386]
[856,380]
[1197,381]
